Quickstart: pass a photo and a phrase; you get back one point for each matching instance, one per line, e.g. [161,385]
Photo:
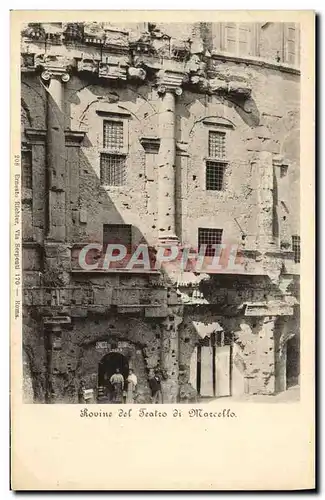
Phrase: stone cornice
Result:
[150,144]
[151,57]
[38,136]
[268,309]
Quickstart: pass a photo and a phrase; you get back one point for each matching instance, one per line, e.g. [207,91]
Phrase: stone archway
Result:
[107,366]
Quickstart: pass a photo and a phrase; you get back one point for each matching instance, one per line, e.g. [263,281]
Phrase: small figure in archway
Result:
[131,386]
[117,381]
[155,386]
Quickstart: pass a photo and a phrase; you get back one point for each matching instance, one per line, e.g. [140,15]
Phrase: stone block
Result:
[172,298]
[103,296]
[79,312]
[156,312]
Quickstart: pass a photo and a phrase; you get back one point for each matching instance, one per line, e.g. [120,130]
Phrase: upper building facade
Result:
[160,134]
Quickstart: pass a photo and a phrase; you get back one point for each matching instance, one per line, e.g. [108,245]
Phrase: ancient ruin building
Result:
[153,134]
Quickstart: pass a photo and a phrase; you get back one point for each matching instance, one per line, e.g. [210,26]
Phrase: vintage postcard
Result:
[162,237]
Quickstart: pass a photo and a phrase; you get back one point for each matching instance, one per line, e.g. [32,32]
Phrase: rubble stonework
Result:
[169,86]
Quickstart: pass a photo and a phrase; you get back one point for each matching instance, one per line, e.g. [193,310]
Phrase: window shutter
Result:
[291,43]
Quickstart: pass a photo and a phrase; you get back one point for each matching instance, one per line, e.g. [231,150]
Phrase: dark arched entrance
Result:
[292,362]
[107,367]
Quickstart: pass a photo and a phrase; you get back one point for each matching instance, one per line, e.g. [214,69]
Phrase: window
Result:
[237,38]
[216,162]
[214,176]
[120,234]
[209,237]
[113,137]
[296,248]
[291,43]
[112,170]
[217,144]
[114,153]
[26,169]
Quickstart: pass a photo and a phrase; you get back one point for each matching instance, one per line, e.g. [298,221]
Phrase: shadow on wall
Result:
[89,206]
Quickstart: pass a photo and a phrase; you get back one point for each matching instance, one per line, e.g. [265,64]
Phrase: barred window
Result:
[209,237]
[120,234]
[113,135]
[26,169]
[296,248]
[217,144]
[214,176]
[112,170]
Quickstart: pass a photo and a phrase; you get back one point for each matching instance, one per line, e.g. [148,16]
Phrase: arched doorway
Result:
[107,367]
[292,362]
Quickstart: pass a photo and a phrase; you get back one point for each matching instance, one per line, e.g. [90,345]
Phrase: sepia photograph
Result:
[160,198]
[162,250]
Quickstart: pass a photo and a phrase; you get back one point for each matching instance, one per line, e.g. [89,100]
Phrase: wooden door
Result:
[206,388]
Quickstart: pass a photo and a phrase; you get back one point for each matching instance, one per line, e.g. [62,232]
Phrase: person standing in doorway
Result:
[117,381]
[132,382]
[155,386]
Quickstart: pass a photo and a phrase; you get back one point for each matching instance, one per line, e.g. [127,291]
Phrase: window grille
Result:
[296,248]
[112,170]
[113,135]
[214,176]
[209,237]
[217,144]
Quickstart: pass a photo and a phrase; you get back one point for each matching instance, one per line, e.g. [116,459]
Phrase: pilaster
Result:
[56,368]
[264,185]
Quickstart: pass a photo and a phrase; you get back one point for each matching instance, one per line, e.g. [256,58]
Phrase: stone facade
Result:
[167,87]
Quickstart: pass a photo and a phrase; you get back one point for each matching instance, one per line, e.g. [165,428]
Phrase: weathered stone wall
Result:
[269,123]
[258,106]
[35,367]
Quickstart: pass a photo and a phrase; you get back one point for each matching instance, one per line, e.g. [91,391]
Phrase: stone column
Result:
[255,356]
[56,154]
[265,359]
[264,184]
[170,356]
[167,156]
[56,361]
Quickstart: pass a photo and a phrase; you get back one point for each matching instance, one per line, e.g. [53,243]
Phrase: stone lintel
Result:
[218,121]
[109,109]
[56,320]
